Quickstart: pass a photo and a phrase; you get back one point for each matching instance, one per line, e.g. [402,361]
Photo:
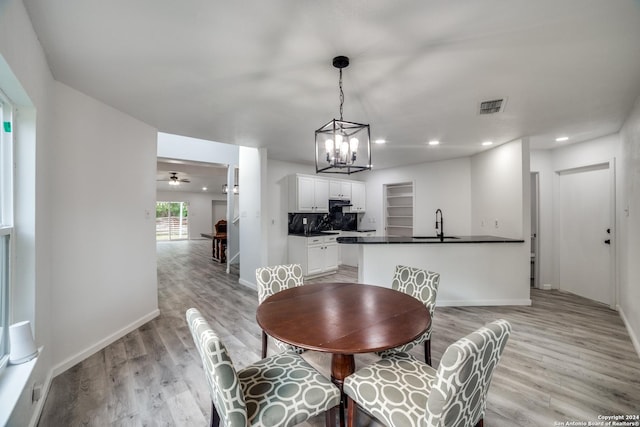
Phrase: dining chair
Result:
[401,391]
[281,390]
[422,285]
[272,280]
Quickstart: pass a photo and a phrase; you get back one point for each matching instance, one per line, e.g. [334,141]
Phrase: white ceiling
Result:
[201,175]
[259,73]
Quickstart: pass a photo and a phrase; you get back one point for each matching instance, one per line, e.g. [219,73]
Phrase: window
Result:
[172,220]
[6,221]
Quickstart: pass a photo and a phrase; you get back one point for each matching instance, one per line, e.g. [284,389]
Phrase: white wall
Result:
[629,225]
[200,209]
[444,185]
[218,212]
[497,190]
[103,224]
[253,202]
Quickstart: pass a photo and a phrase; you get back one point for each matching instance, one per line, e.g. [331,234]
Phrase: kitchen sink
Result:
[435,237]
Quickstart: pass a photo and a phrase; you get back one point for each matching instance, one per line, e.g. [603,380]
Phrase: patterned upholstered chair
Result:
[282,390]
[422,285]
[401,391]
[272,280]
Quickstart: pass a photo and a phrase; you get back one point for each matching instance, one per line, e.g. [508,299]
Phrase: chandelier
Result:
[236,188]
[342,146]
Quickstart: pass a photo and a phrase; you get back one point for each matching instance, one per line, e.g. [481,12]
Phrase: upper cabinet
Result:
[358,196]
[308,194]
[339,189]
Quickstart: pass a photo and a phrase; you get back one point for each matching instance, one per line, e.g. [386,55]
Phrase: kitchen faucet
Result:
[440,225]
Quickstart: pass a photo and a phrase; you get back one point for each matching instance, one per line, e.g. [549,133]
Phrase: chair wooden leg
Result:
[330,417]
[351,412]
[480,423]
[427,352]
[215,418]
[264,344]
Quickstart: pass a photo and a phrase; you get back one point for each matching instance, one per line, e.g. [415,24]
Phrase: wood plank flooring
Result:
[568,359]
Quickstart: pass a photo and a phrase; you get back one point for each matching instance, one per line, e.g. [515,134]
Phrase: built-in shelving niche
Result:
[399,209]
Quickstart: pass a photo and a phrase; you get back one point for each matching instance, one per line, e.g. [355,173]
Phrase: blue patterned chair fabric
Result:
[282,390]
[272,280]
[422,285]
[402,391]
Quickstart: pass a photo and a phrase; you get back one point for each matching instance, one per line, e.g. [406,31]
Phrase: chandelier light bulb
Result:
[328,145]
[353,143]
[344,148]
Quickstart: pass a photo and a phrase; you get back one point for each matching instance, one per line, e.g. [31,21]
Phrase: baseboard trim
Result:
[489,302]
[79,357]
[35,417]
[635,339]
[247,284]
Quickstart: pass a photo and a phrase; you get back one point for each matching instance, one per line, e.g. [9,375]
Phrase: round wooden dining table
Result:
[343,319]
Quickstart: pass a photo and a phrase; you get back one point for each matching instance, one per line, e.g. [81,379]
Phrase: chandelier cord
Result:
[341,95]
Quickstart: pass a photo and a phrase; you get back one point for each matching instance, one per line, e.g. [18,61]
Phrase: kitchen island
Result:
[474,270]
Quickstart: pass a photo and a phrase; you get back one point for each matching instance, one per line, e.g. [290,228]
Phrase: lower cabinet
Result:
[316,255]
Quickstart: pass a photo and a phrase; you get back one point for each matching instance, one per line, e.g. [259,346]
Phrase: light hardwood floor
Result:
[568,358]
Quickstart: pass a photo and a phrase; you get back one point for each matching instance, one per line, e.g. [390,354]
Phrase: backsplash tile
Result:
[322,222]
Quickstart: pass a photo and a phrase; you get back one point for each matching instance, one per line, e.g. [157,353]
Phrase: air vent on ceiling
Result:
[493,106]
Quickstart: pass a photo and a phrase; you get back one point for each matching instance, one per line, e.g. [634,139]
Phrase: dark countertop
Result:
[314,234]
[452,239]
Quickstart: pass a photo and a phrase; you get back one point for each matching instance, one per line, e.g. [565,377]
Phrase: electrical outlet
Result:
[496,223]
[304,221]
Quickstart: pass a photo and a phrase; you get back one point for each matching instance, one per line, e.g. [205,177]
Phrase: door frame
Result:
[611,166]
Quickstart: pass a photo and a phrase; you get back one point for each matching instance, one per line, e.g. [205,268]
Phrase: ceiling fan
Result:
[174,180]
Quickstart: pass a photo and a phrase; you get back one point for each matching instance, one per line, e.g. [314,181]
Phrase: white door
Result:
[585,205]
[331,256]
[321,195]
[306,198]
[315,259]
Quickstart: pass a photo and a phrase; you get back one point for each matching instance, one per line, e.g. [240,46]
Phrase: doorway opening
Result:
[172,221]
[535,227]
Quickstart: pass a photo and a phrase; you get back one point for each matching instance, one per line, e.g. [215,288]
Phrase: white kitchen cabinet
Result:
[316,255]
[339,189]
[349,252]
[308,194]
[358,196]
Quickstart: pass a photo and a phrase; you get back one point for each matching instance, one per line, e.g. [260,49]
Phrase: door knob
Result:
[608,241]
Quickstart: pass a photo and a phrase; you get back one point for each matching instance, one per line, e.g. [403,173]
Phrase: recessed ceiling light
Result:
[562,138]
[380,141]
[204,188]
[487,143]
[434,142]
